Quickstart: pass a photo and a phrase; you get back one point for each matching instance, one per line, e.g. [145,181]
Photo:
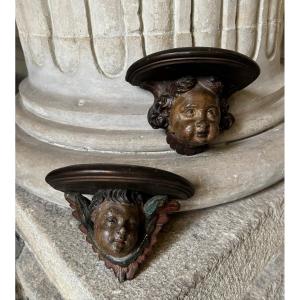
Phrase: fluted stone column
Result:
[76,107]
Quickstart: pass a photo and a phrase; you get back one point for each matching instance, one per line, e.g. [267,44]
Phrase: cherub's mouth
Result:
[202,134]
[120,241]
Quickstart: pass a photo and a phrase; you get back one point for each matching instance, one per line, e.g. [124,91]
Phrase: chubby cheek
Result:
[107,235]
[187,131]
[213,131]
[104,235]
[183,130]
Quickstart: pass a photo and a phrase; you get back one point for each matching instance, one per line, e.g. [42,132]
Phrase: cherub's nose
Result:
[122,232]
[201,124]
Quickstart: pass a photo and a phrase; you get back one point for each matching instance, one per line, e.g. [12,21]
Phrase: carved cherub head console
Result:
[128,207]
[191,87]
[118,220]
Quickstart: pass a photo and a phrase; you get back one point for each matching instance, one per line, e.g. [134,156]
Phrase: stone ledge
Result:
[219,175]
[210,254]
[97,128]
[35,282]
[269,285]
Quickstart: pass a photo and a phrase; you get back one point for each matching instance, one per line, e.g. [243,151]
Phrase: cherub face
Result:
[117,228]
[195,116]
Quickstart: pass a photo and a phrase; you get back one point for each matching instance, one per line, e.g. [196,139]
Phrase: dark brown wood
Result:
[130,204]
[191,87]
[128,272]
[234,69]
[89,178]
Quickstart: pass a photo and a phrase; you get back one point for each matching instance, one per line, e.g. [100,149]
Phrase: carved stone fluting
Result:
[77,53]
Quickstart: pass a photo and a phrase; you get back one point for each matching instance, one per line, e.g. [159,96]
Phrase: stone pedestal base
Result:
[223,174]
[75,107]
[215,253]
[268,285]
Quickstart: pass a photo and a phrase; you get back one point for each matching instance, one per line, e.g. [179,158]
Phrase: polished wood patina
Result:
[128,207]
[191,87]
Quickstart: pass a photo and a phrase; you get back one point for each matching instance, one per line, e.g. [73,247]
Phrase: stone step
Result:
[35,283]
[215,253]
[222,174]
[269,285]
[70,121]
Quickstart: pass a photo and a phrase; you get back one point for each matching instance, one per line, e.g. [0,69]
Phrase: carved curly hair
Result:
[158,113]
[116,195]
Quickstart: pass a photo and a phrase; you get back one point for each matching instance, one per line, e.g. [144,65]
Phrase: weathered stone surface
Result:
[77,108]
[35,284]
[76,97]
[19,245]
[20,66]
[222,174]
[210,254]
[19,291]
[81,125]
[269,285]
[110,35]
[77,54]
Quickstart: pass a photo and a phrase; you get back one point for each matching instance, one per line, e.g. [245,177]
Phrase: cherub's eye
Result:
[189,112]
[211,114]
[111,220]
